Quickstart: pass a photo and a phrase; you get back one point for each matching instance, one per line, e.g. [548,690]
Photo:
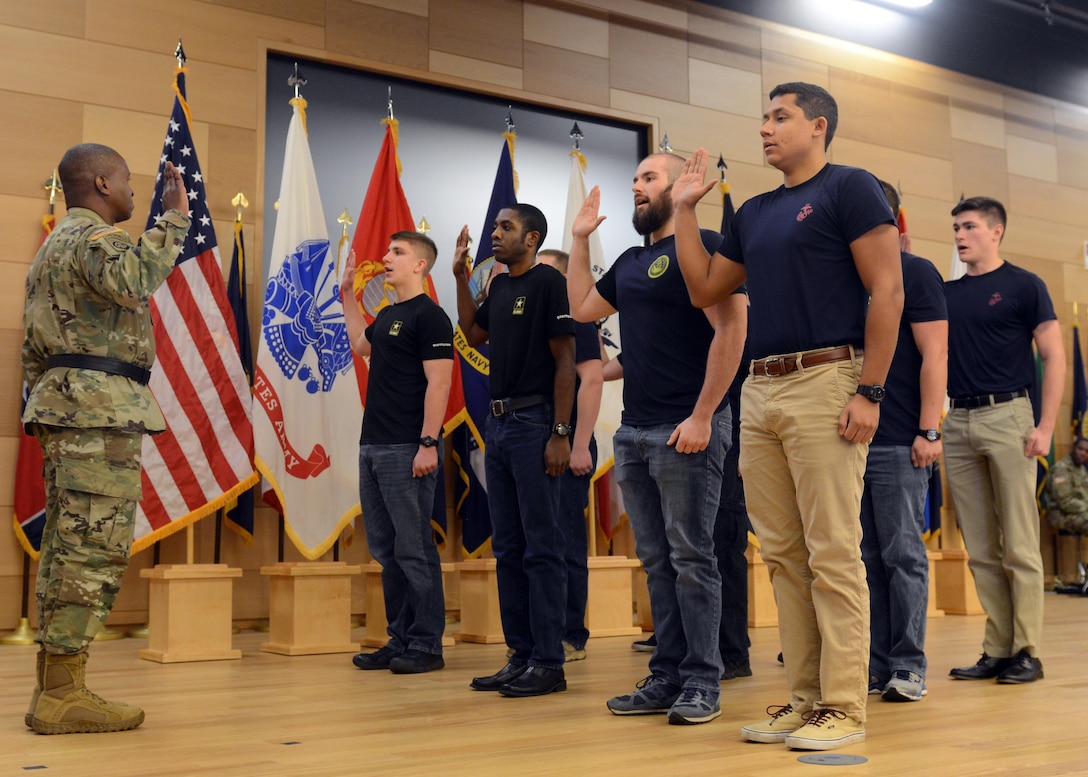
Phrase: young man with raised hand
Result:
[820,256]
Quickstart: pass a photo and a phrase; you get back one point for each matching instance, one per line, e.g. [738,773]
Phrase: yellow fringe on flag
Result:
[394,125]
[299,101]
[511,137]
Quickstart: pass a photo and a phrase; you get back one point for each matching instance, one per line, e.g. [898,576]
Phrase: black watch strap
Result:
[428,442]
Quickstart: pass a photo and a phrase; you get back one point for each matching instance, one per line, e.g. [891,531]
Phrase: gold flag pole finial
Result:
[344,219]
[239,201]
[423,227]
[52,185]
[665,147]
[179,54]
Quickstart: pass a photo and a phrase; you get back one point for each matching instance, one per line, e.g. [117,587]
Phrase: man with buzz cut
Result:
[820,256]
[527,438]
[673,436]
[410,345]
[995,311]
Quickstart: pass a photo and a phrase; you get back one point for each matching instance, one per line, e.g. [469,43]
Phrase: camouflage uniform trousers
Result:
[92,484]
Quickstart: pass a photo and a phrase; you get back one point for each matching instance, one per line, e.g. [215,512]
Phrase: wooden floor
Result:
[275,716]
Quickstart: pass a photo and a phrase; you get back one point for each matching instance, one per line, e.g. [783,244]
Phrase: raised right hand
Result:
[691,187]
[587,219]
[173,190]
[460,255]
[347,280]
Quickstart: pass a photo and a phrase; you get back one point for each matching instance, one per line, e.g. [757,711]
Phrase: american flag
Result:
[205,456]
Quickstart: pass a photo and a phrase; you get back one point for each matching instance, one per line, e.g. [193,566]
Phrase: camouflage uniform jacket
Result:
[87,292]
[1069,487]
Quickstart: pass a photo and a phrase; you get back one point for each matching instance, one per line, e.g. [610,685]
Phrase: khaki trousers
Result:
[803,484]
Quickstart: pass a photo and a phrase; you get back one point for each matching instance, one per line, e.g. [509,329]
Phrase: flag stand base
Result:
[608,605]
[23,634]
[376,623]
[189,613]
[105,634]
[309,608]
[956,593]
[480,618]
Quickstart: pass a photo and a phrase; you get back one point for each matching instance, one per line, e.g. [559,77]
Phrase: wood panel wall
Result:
[81,70]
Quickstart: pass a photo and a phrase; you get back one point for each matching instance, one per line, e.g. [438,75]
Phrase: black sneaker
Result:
[645,645]
[416,662]
[379,659]
[739,667]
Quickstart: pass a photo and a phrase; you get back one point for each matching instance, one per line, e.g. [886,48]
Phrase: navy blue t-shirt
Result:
[402,337]
[923,300]
[665,339]
[794,243]
[586,348]
[991,319]
[521,314]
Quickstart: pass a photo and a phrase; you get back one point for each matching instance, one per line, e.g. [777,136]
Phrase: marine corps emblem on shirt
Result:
[659,266]
[519,307]
[394,330]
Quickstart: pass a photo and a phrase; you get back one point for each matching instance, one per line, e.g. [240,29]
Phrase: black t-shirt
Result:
[923,300]
[794,244]
[665,339]
[521,314]
[586,348]
[402,337]
[991,319]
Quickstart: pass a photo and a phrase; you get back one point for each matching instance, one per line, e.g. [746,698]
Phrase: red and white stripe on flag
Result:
[307,413]
[205,456]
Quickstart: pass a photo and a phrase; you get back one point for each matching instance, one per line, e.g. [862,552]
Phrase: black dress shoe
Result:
[499,679]
[1023,669]
[986,668]
[536,681]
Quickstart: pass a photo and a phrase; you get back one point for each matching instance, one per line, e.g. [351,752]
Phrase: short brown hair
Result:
[424,245]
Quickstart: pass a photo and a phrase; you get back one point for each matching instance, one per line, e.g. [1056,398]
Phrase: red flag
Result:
[29,496]
[385,211]
[205,457]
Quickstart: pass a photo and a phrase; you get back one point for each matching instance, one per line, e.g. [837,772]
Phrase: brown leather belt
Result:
[776,366]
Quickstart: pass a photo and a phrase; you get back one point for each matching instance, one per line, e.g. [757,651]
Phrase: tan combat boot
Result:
[65,706]
[37,688]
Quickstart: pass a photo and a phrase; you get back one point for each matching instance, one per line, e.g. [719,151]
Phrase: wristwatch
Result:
[563,430]
[428,442]
[932,435]
[874,393]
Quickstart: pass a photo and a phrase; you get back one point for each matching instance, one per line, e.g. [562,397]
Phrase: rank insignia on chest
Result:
[519,307]
[394,330]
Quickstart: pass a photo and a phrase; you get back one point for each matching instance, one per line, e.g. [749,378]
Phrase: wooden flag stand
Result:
[309,609]
[189,611]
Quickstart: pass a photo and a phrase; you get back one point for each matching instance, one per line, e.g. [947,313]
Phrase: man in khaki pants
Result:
[821,259]
[992,439]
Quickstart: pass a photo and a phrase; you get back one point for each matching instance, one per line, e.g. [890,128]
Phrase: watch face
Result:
[877,393]
[932,435]
[561,429]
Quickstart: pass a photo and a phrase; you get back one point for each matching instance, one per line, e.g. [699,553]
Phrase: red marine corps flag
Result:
[307,415]
[205,456]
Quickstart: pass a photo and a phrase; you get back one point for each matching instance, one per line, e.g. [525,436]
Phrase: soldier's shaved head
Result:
[79,167]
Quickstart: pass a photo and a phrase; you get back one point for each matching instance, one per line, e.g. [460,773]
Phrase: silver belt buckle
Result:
[497,407]
[775,367]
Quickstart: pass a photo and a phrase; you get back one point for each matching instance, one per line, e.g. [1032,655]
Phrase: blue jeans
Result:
[397,516]
[730,543]
[573,500]
[892,521]
[526,538]
[672,503]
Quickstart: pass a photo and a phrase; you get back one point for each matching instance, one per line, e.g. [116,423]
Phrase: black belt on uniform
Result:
[510,404]
[985,400]
[82,361]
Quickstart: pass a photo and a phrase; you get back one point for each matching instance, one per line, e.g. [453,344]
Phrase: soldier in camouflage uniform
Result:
[86,358]
[1068,491]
